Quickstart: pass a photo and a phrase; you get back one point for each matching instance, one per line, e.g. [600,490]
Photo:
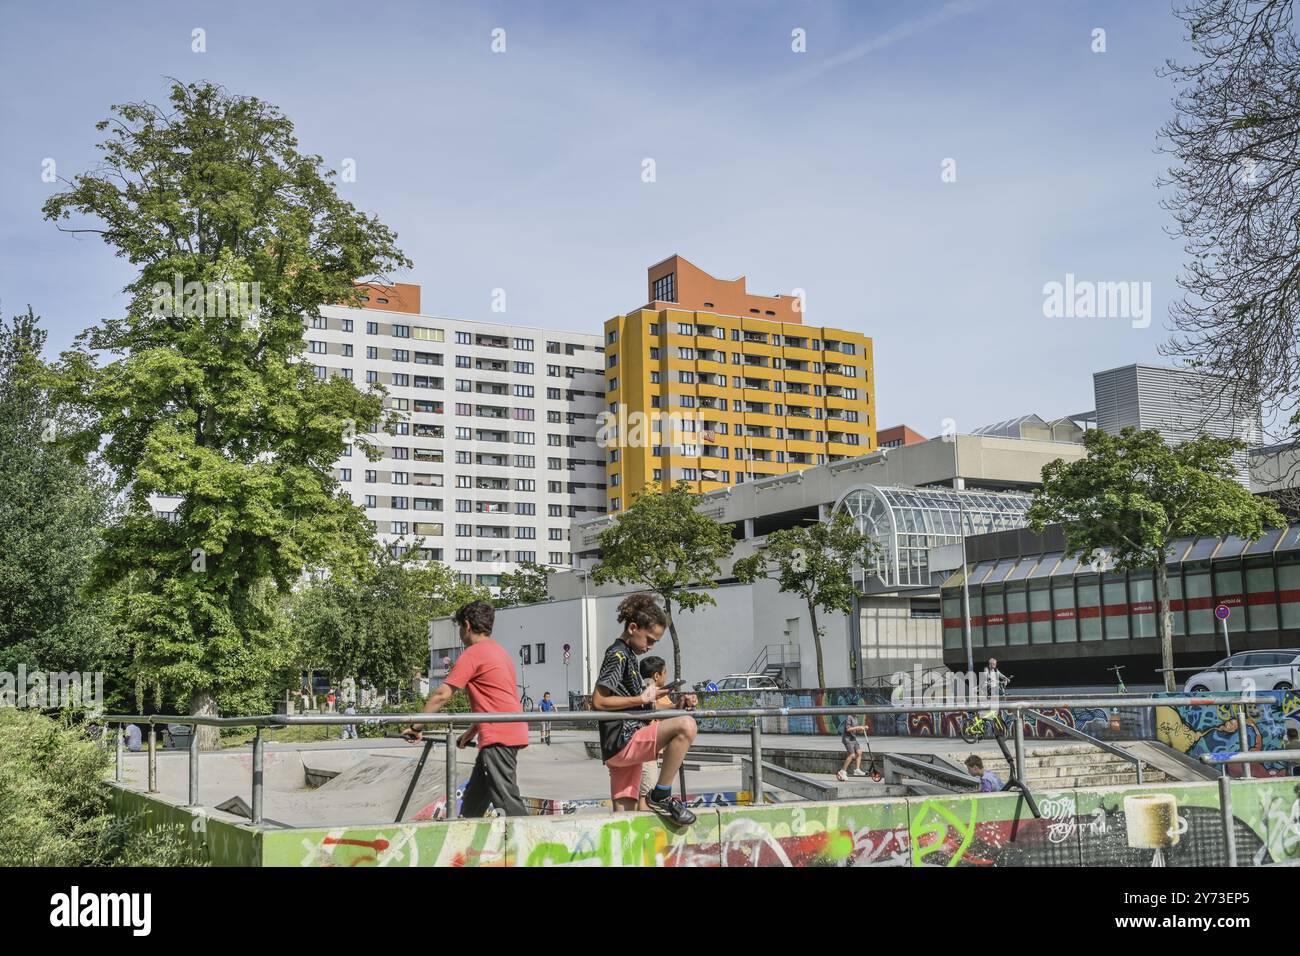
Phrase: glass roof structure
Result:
[907,522]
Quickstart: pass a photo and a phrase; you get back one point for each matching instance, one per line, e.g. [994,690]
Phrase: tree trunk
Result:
[1165,623]
[817,645]
[677,647]
[203,704]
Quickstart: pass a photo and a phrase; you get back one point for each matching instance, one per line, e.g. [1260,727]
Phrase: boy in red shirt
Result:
[487,674]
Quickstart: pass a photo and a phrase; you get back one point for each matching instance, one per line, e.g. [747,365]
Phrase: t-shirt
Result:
[487,674]
[990,782]
[620,676]
[546,705]
[850,721]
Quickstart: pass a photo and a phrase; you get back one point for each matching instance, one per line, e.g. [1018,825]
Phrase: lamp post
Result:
[958,486]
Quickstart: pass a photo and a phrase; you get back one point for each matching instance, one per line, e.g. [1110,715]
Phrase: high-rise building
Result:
[713,385]
[1178,403]
[495,456]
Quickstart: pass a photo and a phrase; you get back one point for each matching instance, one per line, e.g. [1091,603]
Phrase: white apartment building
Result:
[495,456]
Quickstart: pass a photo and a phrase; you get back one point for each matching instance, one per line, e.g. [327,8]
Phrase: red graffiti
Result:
[379,846]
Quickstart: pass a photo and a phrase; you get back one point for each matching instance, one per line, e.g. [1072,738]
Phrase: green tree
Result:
[203,392]
[663,544]
[1133,495]
[525,585]
[816,562]
[51,514]
[374,626]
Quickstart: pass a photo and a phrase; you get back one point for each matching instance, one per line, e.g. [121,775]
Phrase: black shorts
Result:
[492,784]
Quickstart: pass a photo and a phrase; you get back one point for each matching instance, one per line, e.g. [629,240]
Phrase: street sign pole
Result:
[1222,612]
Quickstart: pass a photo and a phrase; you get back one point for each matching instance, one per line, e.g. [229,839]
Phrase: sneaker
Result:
[840,776]
[858,772]
[671,809]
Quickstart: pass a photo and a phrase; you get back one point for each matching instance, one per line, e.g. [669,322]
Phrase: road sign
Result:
[1222,612]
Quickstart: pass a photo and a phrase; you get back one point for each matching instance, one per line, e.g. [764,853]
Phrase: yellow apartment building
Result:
[713,385]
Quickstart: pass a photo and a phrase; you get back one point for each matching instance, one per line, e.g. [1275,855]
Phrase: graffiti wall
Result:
[1162,825]
[1214,729]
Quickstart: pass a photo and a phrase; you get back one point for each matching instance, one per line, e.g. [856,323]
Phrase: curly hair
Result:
[641,610]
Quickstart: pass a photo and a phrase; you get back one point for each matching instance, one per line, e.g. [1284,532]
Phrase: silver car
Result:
[747,682]
[1263,670]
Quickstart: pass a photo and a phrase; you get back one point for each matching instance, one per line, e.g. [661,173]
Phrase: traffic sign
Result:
[1222,612]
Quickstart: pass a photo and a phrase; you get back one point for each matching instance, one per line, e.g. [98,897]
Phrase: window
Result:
[401,454]
[525,533]
[525,368]
[347,325]
[555,487]
[665,290]
[555,441]
[528,556]
[463,338]
[555,511]
[612,386]
[464,481]
[427,335]
[463,434]
[347,373]
[402,331]
[541,654]
[686,378]
[318,348]
[525,655]
[555,534]
[524,391]
[554,464]
[463,385]
[400,504]
[524,414]
[685,328]
[372,328]
[525,461]
[320,371]
[463,361]
[399,527]
[464,531]
[552,394]
[463,408]
[464,554]
[371,476]
[611,361]
[401,478]
[371,501]
[553,347]
[553,418]
[372,377]
[401,378]
[345,474]
[464,505]
[686,354]
[524,345]
[553,371]
[525,508]
[525,438]
[557,557]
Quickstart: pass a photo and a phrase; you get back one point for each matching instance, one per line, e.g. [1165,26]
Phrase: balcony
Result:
[492,484]
[490,388]
[433,455]
[482,434]
[496,461]
[491,411]
[758,338]
[491,365]
[492,341]
[491,507]
[429,431]
[492,532]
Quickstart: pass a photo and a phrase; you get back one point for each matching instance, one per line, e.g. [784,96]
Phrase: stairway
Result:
[1060,768]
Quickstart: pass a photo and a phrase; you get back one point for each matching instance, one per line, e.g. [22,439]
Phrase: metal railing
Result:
[449,721]
[1089,738]
[1225,786]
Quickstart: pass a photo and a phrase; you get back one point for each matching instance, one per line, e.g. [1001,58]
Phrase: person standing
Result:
[547,706]
[486,673]
[350,730]
[627,744]
[853,748]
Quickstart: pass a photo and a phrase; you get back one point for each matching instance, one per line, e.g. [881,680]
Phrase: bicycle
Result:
[526,702]
[974,728]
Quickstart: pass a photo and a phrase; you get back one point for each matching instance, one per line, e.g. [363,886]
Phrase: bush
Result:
[459,704]
[54,806]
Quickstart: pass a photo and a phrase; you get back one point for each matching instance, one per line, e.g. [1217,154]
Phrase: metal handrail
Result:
[1089,738]
[1289,755]
[425,718]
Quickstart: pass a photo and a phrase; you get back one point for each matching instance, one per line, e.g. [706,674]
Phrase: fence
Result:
[1016,709]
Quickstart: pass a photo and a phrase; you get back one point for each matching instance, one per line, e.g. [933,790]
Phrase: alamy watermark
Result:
[52,689]
[199,300]
[1085,299]
[942,686]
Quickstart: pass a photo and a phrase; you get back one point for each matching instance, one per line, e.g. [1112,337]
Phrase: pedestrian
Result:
[546,706]
[627,744]
[989,781]
[853,748]
[350,730]
[329,700]
[486,672]
[132,738]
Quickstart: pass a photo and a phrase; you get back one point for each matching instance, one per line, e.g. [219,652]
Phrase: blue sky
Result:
[818,170]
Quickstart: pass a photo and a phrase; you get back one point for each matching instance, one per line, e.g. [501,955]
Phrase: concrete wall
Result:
[718,640]
[1169,824]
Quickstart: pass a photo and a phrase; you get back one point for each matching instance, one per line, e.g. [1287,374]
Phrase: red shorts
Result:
[625,766]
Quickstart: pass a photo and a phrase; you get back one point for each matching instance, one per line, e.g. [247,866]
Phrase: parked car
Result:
[747,682]
[1267,670]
